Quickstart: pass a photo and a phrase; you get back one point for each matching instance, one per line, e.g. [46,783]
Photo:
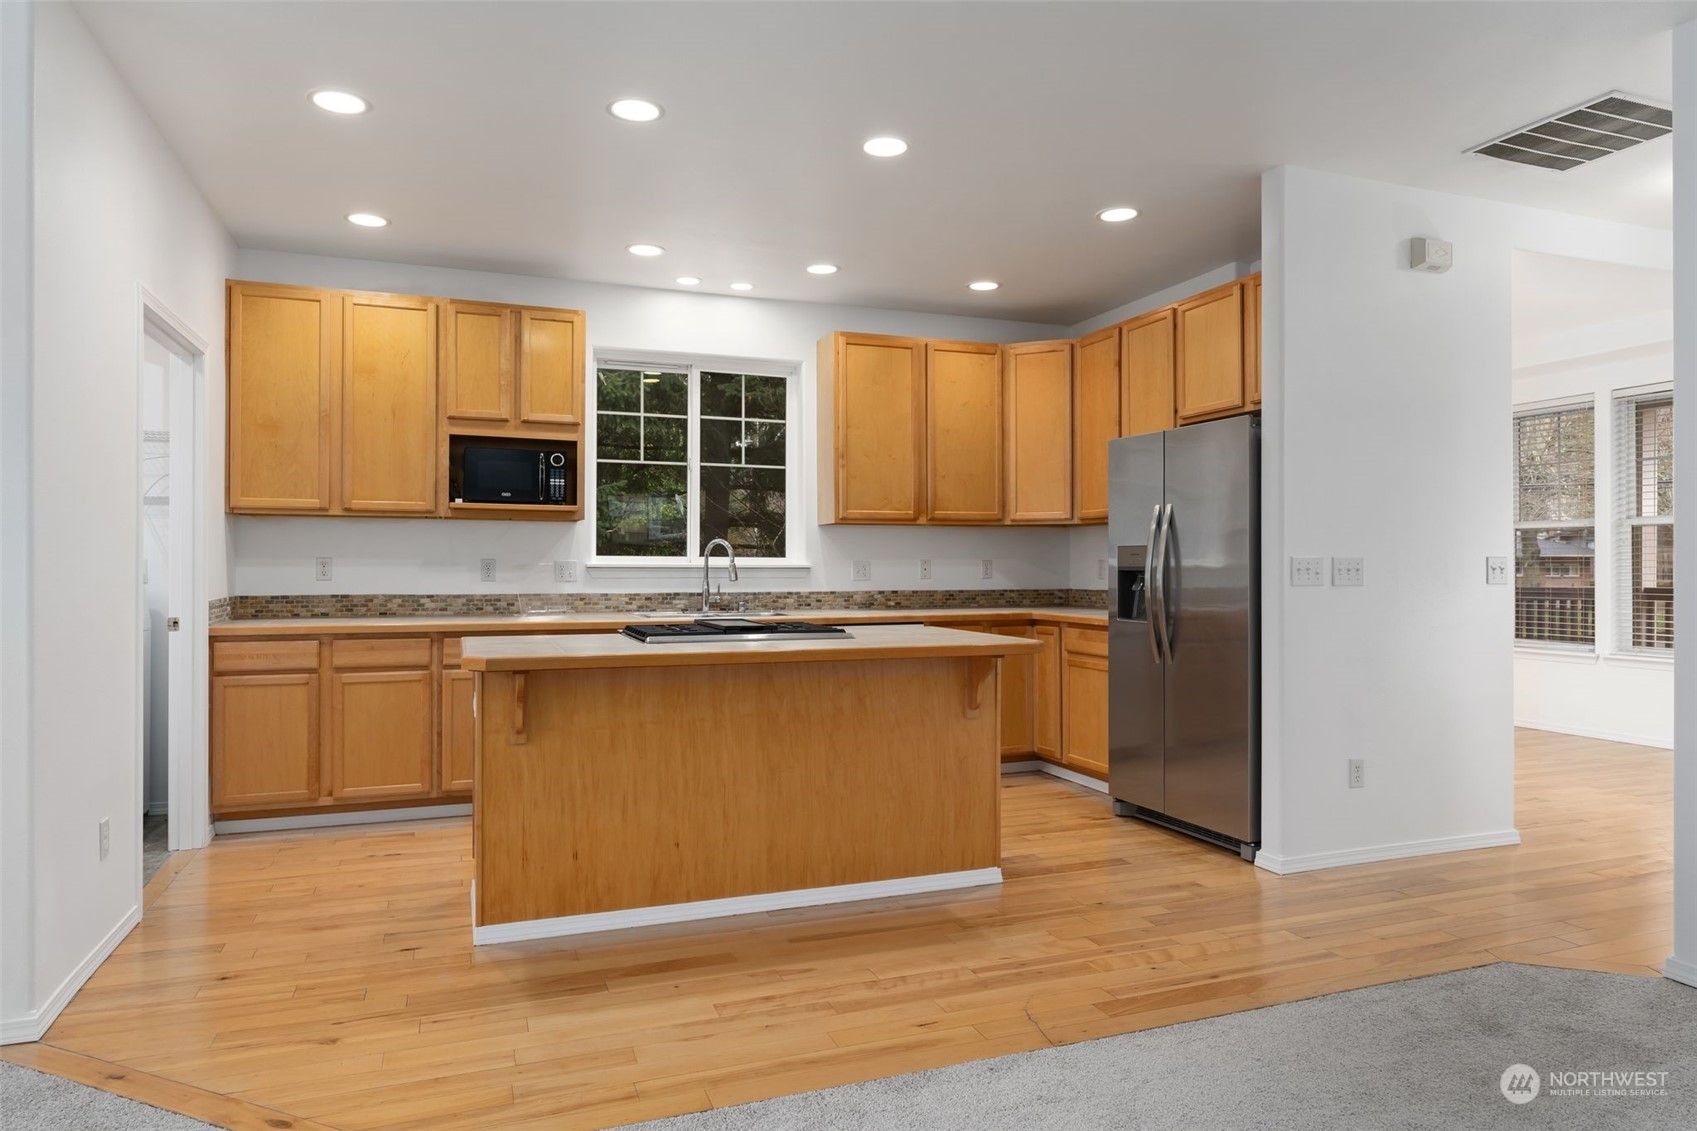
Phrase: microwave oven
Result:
[515,475]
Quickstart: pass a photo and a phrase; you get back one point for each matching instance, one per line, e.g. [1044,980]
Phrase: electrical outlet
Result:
[925,569]
[105,837]
[1308,571]
[1357,773]
[486,569]
[323,569]
[1101,569]
[863,571]
[1348,571]
[565,571]
[987,568]
[1496,571]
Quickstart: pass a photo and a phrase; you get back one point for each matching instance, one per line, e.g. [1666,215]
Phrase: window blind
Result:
[1555,544]
[1644,520]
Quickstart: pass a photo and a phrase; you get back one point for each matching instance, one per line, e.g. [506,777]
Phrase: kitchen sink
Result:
[675,614]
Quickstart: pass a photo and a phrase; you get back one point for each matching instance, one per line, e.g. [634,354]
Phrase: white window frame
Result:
[1594,523]
[1624,457]
[694,365]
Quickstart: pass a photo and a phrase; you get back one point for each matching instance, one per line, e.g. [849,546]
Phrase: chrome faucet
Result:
[707,572]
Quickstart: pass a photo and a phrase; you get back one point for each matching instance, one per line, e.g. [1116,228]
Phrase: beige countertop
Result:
[613,650]
[613,621]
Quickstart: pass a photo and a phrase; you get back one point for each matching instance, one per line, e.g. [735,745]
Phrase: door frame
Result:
[189,821]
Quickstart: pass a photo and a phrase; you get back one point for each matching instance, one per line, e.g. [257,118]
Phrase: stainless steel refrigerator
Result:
[1184,669]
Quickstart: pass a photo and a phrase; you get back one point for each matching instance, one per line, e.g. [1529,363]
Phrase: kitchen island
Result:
[620,784]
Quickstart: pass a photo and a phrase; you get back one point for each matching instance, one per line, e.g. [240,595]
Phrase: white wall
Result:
[1602,693]
[1386,437]
[114,212]
[1683,964]
[272,555]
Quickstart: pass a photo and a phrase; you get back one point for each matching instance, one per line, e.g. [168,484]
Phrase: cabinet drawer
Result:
[264,655]
[1086,641]
[451,651]
[412,652]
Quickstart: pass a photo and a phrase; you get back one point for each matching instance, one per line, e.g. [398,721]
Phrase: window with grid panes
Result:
[690,452]
[1555,535]
[1644,506]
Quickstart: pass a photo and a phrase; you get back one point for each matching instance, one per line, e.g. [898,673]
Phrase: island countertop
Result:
[613,650]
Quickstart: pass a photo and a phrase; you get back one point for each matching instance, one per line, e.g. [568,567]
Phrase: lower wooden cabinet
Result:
[381,731]
[1018,688]
[1084,684]
[264,739]
[1046,694]
[459,731]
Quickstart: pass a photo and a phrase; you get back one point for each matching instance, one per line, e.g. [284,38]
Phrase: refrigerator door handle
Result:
[1165,554]
[1150,591]
[1158,584]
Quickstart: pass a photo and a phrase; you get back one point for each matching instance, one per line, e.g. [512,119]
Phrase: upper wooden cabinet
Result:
[963,432]
[1038,389]
[1252,339]
[284,362]
[1096,420]
[550,366]
[1147,374]
[871,428]
[388,404]
[478,342]
[1210,354]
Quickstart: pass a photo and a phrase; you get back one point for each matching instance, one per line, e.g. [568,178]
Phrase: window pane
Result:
[664,439]
[665,392]
[618,390]
[1555,586]
[721,394]
[1653,440]
[618,437]
[745,506]
[1652,587]
[764,443]
[768,398]
[1555,466]
[721,441]
[640,509]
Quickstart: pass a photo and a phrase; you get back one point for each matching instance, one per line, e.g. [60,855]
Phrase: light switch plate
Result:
[1348,572]
[862,571]
[1308,571]
[987,568]
[1101,569]
[1496,571]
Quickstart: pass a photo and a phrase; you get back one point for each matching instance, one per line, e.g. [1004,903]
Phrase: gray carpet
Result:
[1429,1053]
[35,1101]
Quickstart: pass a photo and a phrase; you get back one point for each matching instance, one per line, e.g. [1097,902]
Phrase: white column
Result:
[1683,965]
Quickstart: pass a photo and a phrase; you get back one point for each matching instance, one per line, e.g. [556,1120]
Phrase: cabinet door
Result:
[477,362]
[877,438]
[550,366]
[964,432]
[1086,714]
[264,740]
[1096,420]
[1018,689]
[380,734]
[283,356]
[1146,374]
[459,731]
[1210,354]
[1039,396]
[1252,339]
[389,404]
[1046,694]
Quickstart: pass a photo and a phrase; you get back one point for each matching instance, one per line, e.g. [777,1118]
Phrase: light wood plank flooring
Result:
[326,979]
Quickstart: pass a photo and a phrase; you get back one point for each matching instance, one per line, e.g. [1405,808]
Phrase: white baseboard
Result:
[321,820]
[33,1025]
[1286,865]
[1680,970]
[1657,741]
[156,808]
[720,908]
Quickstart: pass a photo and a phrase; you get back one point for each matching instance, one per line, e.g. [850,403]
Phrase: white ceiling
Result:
[489,146]
[1557,294]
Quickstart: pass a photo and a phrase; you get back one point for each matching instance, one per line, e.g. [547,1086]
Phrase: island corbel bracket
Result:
[979,669]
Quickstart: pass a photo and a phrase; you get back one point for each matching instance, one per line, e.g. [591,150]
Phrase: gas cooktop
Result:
[705,629]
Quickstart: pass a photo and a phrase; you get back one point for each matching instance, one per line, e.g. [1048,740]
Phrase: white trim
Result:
[1286,865]
[719,908]
[322,820]
[33,1025]
[1574,655]
[1652,660]
[613,566]
[1680,970]
[157,808]
[1603,735]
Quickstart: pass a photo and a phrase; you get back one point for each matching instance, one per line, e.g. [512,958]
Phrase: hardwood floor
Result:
[327,979]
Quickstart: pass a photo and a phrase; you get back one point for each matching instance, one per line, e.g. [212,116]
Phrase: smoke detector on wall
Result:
[1585,133]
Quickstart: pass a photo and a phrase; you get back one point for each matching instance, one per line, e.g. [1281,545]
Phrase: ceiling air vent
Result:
[1581,135]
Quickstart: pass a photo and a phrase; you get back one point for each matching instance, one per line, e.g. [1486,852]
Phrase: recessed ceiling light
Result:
[822,269]
[885,146]
[983,285]
[742,286]
[339,102]
[688,281]
[645,249]
[367,220]
[635,110]
[1117,215]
